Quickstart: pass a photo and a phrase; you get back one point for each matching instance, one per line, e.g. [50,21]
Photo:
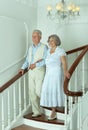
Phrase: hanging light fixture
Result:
[63,10]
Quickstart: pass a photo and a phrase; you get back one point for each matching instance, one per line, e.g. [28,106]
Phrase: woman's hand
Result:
[32,66]
[67,74]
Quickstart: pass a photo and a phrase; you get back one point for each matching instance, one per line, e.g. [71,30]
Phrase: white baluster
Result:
[79,114]
[76,76]
[71,112]
[8,105]
[24,93]
[2,111]
[69,97]
[20,105]
[75,100]
[83,81]
[76,79]
[28,89]
[66,109]
[14,101]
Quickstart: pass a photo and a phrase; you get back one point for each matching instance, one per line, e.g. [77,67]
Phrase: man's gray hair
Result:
[38,31]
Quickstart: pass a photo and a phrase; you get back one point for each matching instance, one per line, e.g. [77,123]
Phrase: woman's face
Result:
[52,43]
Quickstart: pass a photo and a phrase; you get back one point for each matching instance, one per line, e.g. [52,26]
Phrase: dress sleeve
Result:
[62,52]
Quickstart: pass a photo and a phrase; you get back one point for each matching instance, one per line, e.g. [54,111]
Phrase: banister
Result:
[76,49]
[71,70]
[12,80]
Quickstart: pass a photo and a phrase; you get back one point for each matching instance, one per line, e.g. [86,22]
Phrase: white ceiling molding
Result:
[27,2]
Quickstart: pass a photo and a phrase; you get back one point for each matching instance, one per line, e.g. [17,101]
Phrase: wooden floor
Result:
[25,127]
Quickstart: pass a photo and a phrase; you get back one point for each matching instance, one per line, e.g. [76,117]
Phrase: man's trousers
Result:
[36,77]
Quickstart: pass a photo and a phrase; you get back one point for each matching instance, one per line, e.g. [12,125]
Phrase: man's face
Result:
[35,38]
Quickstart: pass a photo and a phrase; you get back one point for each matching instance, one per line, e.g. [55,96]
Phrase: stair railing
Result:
[73,97]
[14,100]
[14,94]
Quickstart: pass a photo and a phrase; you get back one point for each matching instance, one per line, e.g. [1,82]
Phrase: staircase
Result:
[42,122]
[15,109]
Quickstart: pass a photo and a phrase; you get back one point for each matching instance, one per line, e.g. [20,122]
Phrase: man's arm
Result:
[32,66]
[40,62]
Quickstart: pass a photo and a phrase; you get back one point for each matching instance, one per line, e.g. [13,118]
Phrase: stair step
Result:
[26,127]
[44,118]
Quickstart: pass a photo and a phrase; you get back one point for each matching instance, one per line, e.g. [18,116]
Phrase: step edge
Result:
[43,125]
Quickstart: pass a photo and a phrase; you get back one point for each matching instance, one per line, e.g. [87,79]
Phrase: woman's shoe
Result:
[52,118]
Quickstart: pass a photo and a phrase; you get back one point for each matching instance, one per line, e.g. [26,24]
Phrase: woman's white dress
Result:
[52,94]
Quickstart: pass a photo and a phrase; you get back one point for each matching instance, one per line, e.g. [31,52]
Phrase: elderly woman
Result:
[56,69]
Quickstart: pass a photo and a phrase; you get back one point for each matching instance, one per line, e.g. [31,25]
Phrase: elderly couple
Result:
[47,68]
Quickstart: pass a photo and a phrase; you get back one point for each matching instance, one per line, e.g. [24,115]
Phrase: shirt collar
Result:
[36,45]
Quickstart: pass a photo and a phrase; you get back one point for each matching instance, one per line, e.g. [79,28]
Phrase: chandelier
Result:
[63,11]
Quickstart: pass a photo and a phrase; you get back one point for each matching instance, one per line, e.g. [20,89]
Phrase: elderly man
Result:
[35,62]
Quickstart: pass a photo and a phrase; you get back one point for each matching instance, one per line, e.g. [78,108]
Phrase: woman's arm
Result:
[64,64]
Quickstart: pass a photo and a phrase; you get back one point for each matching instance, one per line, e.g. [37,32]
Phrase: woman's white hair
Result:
[56,39]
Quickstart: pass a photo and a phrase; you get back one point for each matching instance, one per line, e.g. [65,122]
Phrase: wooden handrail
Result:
[76,49]
[12,80]
[71,70]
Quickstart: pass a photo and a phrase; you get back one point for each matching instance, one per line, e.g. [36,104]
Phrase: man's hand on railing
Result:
[21,71]
[32,66]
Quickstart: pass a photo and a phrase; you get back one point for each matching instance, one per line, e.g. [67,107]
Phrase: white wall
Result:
[72,34]
[34,14]
[24,10]
[13,42]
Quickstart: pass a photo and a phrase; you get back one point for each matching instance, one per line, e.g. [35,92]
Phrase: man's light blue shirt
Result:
[34,49]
